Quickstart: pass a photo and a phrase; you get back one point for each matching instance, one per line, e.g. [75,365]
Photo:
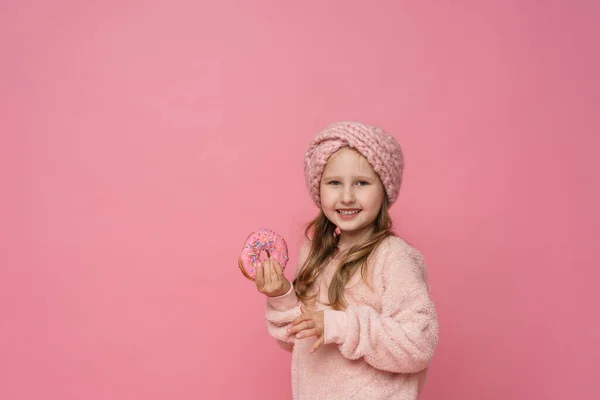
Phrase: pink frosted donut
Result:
[263,240]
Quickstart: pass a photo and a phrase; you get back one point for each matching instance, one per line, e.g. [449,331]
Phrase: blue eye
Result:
[362,183]
[334,183]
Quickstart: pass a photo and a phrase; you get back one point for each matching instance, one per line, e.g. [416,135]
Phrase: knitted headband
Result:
[379,148]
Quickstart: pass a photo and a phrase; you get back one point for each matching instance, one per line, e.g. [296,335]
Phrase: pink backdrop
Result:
[142,141]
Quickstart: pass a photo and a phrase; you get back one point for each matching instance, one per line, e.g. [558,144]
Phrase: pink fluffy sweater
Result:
[380,346]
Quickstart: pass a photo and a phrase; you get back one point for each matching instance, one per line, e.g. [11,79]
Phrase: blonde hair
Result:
[320,231]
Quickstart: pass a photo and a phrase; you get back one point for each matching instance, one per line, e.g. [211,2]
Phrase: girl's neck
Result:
[349,239]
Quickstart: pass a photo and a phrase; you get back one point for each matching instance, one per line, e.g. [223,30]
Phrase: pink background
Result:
[141,142]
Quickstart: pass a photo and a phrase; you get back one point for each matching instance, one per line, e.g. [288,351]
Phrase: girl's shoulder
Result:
[304,249]
[397,248]
[399,261]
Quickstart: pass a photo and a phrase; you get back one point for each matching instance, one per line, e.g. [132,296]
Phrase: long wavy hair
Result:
[320,232]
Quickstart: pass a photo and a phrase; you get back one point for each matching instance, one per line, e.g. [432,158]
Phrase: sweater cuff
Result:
[285,301]
[335,326]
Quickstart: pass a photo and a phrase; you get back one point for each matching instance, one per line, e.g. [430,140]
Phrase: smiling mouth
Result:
[348,212]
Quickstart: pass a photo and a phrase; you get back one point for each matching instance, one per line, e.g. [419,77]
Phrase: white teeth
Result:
[348,212]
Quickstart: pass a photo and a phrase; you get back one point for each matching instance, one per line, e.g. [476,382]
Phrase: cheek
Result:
[326,202]
[325,195]
[328,205]
[375,200]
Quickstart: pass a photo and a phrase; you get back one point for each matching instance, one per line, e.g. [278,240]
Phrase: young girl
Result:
[358,317]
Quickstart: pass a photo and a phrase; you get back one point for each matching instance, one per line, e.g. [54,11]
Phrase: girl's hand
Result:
[270,279]
[309,323]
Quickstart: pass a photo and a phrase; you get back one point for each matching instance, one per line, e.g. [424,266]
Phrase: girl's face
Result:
[351,194]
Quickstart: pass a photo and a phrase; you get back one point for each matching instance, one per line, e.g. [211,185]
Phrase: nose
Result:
[348,195]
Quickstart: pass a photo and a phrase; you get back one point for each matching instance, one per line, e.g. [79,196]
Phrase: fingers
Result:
[267,267]
[275,271]
[301,318]
[277,276]
[306,325]
[301,327]
[317,344]
[307,315]
[269,278]
[265,274]
[308,333]
[304,322]
[278,269]
[259,280]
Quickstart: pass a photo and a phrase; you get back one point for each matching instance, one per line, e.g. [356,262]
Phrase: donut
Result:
[262,240]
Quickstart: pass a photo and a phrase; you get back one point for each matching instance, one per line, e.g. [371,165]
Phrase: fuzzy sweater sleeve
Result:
[402,336]
[282,310]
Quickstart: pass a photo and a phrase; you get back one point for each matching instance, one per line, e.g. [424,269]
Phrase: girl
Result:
[358,317]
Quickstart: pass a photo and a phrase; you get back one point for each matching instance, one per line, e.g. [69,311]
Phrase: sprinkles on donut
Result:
[265,240]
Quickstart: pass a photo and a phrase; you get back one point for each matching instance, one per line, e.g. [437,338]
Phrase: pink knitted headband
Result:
[381,150]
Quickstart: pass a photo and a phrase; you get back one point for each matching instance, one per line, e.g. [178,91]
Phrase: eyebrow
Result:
[360,177]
